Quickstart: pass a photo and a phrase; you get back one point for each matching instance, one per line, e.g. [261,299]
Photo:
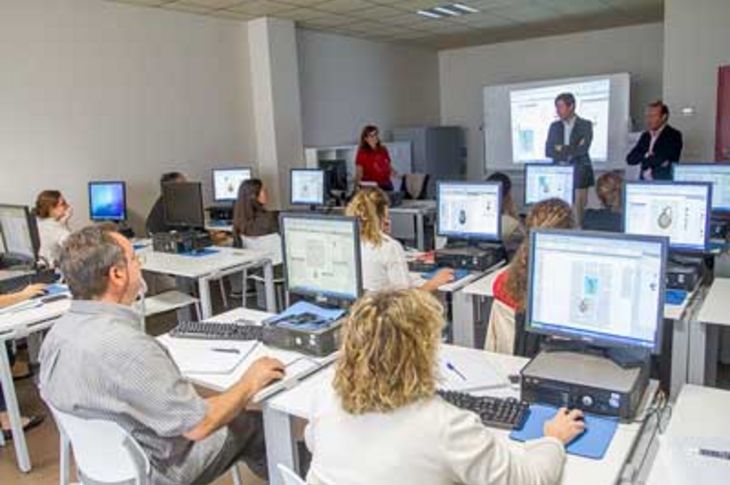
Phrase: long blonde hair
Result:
[369,206]
[390,342]
[550,213]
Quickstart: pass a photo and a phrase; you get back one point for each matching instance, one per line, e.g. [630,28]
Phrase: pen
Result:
[721,454]
[228,351]
[453,369]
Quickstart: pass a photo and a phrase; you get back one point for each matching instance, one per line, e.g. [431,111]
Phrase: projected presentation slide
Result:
[533,110]
[548,182]
[676,211]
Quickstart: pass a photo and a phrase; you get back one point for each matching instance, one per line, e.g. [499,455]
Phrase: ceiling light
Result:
[447,11]
[464,8]
[429,14]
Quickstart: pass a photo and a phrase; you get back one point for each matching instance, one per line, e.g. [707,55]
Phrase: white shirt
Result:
[384,266]
[654,137]
[52,235]
[568,130]
[424,443]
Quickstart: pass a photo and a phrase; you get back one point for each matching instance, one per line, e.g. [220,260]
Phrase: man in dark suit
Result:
[568,142]
[658,147]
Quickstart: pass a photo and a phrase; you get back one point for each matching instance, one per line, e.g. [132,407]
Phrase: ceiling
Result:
[397,21]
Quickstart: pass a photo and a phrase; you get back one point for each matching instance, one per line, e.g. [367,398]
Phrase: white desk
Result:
[207,268]
[15,325]
[466,313]
[704,333]
[282,410]
[701,413]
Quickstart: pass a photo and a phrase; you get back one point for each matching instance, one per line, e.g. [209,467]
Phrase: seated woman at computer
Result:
[28,422]
[609,188]
[510,285]
[512,230]
[383,259]
[372,163]
[251,218]
[382,422]
[53,213]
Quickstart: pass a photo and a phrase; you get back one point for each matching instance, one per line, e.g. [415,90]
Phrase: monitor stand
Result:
[624,357]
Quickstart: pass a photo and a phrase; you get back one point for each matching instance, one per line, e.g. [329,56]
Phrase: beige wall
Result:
[464,72]
[98,90]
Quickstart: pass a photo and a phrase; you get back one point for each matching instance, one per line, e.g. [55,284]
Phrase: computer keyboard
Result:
[494,412]
[217,331]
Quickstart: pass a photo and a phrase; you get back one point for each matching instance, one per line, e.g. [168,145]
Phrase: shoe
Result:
[33,422]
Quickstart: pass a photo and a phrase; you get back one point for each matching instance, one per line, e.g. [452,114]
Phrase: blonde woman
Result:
[384,262]
[510,285]
[382,423]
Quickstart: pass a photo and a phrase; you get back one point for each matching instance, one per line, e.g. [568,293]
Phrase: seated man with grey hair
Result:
[97,363]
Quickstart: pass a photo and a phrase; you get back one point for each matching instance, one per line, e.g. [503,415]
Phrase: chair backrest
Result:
[270,244]
[289,477]
[103,451]
[415,185]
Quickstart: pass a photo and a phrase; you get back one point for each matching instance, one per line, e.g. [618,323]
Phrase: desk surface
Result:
[716,307]
[483,287]
[700,412]
[44,312]
[197,266]
[578,471]
[221,382]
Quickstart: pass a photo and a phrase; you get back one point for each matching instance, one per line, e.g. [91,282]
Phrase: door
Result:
[722,128]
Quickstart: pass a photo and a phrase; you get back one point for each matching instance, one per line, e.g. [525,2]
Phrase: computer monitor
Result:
[678,210]
[183,205]
[470,210]
[717,174]
[226,182]
[19,231]
[549,182]
[322,256]
[107,201]
[603,289]
[307,186]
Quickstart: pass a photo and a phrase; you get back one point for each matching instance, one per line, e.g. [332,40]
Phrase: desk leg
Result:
[206,307]
[270,290]
[11,401]
[463,319]
[420,232]
[697,353]
[281,445]
[680,356]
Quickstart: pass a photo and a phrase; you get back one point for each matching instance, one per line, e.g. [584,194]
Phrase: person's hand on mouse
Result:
[566,425]
[33,290]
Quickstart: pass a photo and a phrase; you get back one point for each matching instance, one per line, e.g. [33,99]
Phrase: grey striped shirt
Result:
[96,363]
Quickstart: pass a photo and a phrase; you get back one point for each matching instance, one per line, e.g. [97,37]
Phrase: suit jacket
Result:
[668,148]
[580,142]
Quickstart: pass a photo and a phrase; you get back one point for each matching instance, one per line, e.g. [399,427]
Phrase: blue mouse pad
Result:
[593,443]
[674,297]
[201,252]
[458,274]
[55,289]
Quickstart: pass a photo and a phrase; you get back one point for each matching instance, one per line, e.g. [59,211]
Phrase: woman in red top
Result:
[373,160]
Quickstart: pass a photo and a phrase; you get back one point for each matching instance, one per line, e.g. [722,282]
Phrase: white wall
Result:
[96,90]
[697,42]
[465,72]
[347,83]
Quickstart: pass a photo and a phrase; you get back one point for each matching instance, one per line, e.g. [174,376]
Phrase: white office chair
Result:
[104,452]
[289,477]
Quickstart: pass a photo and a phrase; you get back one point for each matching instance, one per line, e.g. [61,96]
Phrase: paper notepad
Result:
[194,356]
[469,371]
[593,443]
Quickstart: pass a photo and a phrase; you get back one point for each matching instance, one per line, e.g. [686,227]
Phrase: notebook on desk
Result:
[468,371]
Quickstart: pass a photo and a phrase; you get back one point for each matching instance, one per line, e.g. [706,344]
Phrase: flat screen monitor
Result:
[226,182]
[107,201]
[19,231]
[716,173]
[470,210]
[322,256]
[544,181]
[678,210]
[604,289]
[307,186]
[183,205]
